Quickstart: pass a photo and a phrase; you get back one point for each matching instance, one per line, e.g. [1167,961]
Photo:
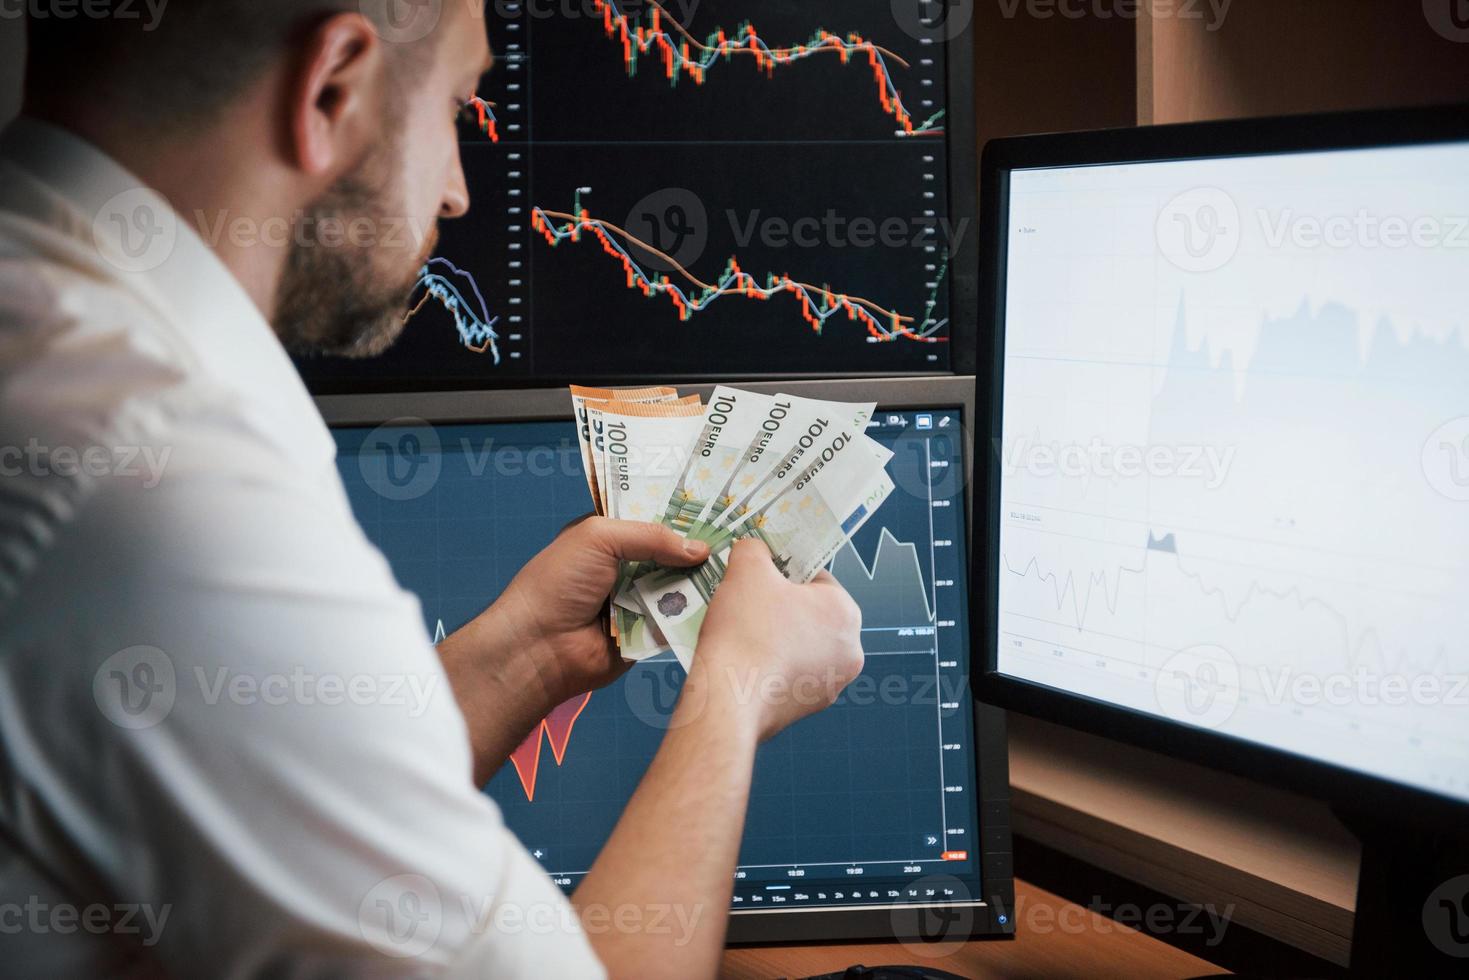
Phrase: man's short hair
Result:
[185,63]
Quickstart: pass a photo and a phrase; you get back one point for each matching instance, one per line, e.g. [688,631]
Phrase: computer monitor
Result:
[693,190]
[864,818]
[1228,493]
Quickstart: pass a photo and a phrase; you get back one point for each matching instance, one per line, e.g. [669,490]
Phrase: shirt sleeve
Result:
[219,702]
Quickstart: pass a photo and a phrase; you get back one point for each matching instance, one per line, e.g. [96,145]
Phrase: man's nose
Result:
[456,192]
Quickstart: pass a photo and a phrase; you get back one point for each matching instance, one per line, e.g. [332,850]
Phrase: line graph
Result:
[857,790]
[1076,592]
[818,304]
[685,56]
[556,729]
[453,287]
[483,116]
[891,591]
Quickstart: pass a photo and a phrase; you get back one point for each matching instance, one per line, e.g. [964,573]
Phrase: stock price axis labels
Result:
[692,190]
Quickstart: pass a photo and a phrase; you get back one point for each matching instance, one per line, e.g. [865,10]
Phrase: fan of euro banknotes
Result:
[800,474]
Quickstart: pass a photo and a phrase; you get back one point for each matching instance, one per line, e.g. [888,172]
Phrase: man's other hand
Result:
[552,612]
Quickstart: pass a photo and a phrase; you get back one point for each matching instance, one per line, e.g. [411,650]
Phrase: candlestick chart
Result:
[665,188]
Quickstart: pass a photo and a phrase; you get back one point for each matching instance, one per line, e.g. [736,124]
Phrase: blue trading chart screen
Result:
[869,801]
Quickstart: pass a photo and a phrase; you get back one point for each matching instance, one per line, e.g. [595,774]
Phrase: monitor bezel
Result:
[1349,791]
[962,164]
[994,909]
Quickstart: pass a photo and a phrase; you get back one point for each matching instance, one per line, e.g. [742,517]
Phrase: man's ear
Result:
[335,95]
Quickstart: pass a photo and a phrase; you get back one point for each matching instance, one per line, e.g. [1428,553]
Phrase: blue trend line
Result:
[475,325]
[818,304]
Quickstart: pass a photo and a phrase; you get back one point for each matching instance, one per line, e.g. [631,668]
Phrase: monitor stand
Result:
[1412,899]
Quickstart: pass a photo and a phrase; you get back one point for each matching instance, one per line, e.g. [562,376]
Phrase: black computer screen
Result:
[692,190]
[868,802]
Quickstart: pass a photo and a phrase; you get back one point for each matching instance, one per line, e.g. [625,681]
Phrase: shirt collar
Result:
[142,244]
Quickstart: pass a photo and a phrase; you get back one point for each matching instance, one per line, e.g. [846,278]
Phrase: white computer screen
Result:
[1235,451]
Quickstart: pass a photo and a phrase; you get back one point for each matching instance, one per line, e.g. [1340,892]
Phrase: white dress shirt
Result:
[227,746]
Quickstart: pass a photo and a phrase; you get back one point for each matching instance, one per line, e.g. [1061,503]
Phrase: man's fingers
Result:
[749,555]
[826,579]
[641,541]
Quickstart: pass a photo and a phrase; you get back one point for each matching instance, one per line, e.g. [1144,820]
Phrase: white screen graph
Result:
[1235,451]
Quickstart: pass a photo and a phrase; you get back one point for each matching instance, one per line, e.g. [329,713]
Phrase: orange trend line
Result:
[778,52]
[586,218]
[554,728]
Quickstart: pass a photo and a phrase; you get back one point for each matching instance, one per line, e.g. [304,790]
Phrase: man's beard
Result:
[349,297]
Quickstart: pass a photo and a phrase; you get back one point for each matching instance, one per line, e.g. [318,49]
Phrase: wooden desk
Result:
[1090,946]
